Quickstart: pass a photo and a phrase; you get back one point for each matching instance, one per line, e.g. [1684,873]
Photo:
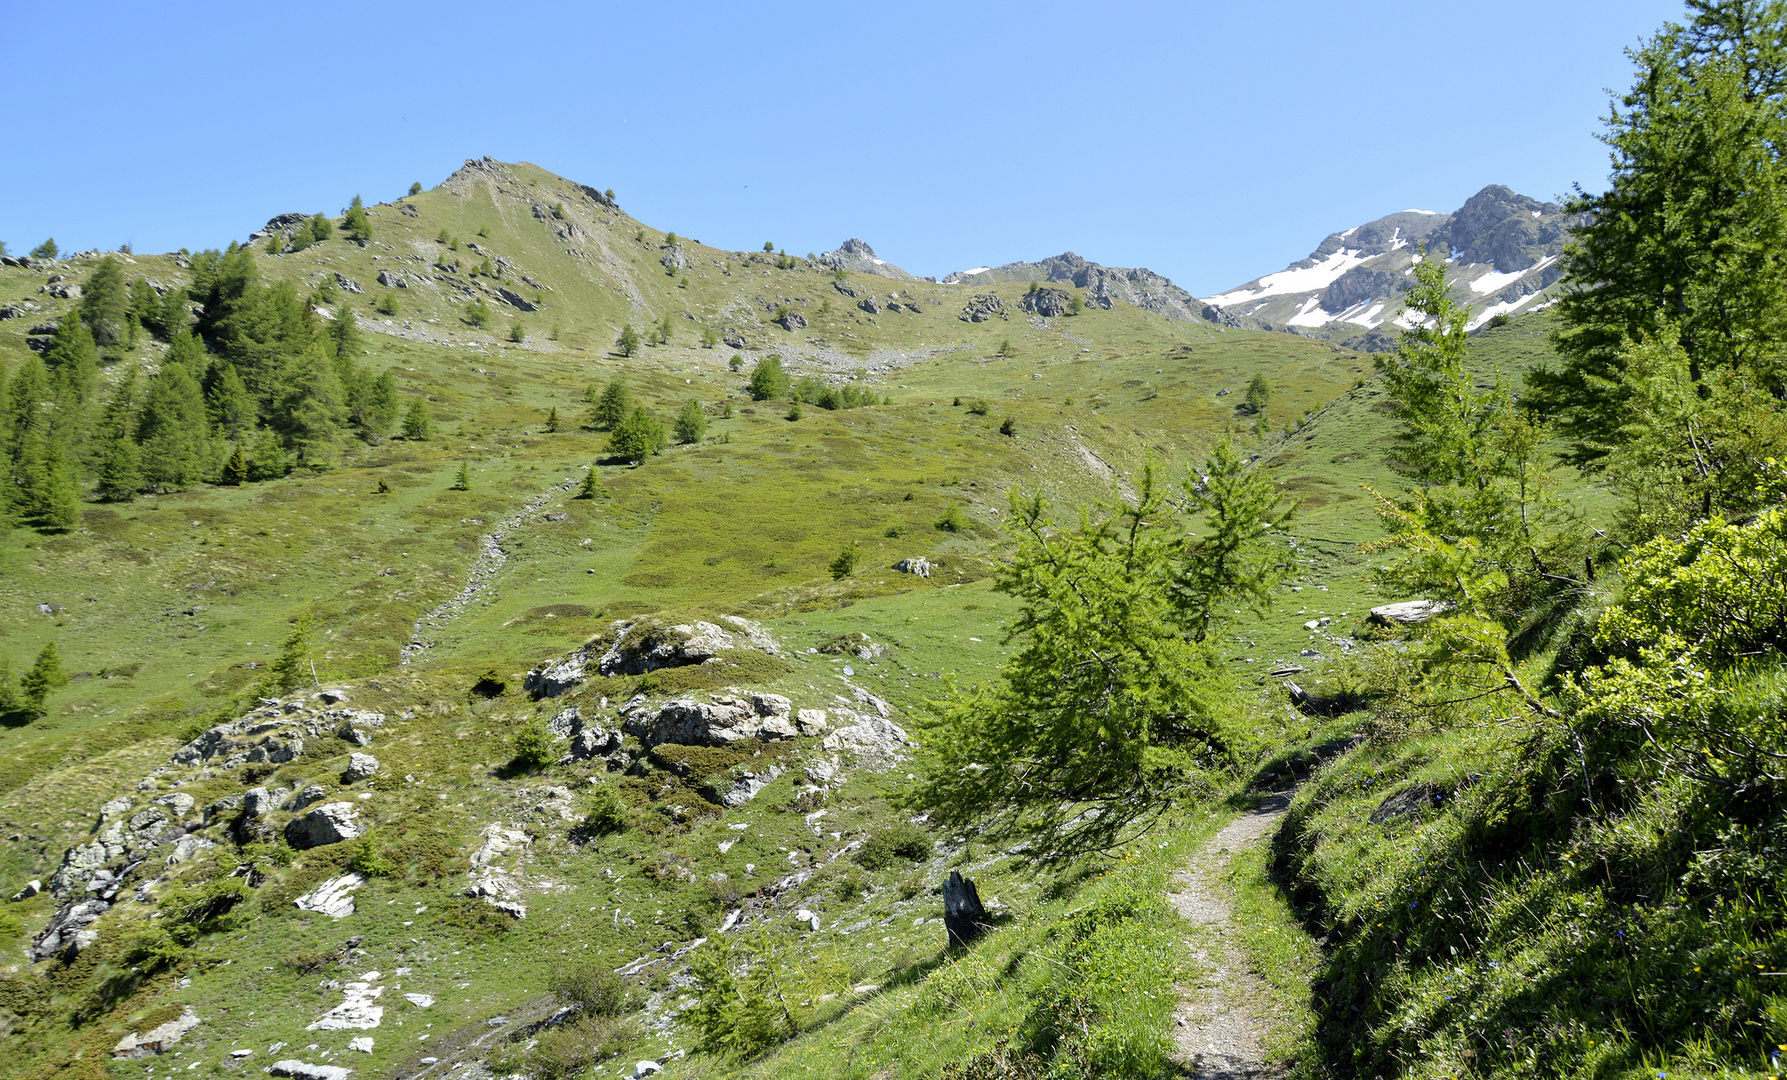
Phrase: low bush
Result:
[893,843]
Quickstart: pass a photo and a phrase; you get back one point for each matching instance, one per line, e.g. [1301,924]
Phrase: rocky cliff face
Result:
[1502,247]
[854,254]
[1103,285]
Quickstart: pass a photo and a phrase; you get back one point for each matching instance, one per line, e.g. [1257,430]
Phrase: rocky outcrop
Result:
[792,321]
[645,645]
[1103,285]
[330,823]
[391,279]
[854,254]
[347,284]
[334,898]
[920,566]
[731,790]
[586,739]
[158,1039]
[1408,612]
[983,307]
[70,929]
[515,300]
[868,306]
[359,767]
[721,721]
[303,1070]
[1049,303]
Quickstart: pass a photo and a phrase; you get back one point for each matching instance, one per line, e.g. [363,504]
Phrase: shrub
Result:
[953,520]
[533,747]
[768,380]
[387,303]
[637,437]
[368,860]
[477,314]
[691,423]
[517,333]
[980,408]
[1009,427]
[590,987]
[607,814]
[902,840]
[844,563]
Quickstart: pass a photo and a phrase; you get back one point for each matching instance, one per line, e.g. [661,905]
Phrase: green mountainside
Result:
[483,635]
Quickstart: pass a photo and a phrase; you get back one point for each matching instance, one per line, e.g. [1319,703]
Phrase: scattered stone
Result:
[239,1054]
[509,908]
[868,305]
[178,801]
[792,321]
[334,897]
[1408,612]
[157,1040]
[347,284]
[643,1069]
[312,793]
[357,1009]
[330,823]
[964,919]
[920,566]
[420,1001]
[1408,802]
[874,736]
[984,307]
[359,767]
[32,888]
[362,1045]
[301,1070]
[729,790]
[390,279]
[808,917]
[516,300]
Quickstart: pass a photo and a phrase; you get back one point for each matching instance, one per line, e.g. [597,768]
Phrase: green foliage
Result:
[387,303]
[517,333]
[814,391]
[1006,350]
[845,562]
[418,420]
[205,907]
[355,225]
[953,519]
[638,437]
[552,419]
[709,338]
[477,314]
[152,949]
[105,302]
[768,380]
[1230,562]
[46,250]
[532,746]
[1107,706]
[235,470]
[691,423]
[900,841]
[628,342]
[606,813]
[45,676]
[172,430]
[292,667]
[1008,427]
[592,486]
[462,479]
[979,407]
[416,189]
[740,1010]
[737,363]
[794,412]
[368,860]
[1258,396]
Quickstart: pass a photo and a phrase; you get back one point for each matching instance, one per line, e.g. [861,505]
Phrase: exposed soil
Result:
[1220,1022]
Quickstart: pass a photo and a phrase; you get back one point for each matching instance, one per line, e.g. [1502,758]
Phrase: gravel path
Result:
[1217,1029]
[484,569]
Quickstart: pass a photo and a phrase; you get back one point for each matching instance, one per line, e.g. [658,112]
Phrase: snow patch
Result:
[1495,280]
[1310,314]
[1493,310]
[1296,279]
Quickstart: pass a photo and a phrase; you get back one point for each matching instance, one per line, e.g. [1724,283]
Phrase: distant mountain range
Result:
[1504,249]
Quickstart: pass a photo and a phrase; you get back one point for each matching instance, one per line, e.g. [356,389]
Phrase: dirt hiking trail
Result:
[1220,1023]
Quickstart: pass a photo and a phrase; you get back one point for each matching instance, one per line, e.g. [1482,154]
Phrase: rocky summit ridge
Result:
[1503,248]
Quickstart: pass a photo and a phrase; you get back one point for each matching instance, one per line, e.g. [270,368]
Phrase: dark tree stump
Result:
[963,917]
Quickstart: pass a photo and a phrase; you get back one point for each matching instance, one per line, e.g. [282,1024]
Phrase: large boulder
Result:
[1408,612]
[334,898]
[359,767]
[1049,303]
[643,645]
[983,307]
[721,721]
[330,823]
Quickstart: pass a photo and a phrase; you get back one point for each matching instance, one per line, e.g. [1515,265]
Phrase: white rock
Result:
[810,721]
[359,767]
[420,1001]
[363,1044]
[357,1009]
[158,1039]
[334,897]
[646,1068]
[303,1070]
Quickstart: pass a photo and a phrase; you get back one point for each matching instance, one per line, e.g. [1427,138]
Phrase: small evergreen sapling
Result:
[46,250]
[418,421]
[844,563]
[592,486]
[691,423]
[552,419]
[462,480]
[235,470]
[628,342]
[355,223]
[45,677]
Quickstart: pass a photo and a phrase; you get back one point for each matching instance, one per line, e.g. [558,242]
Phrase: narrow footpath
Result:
[1221,1022]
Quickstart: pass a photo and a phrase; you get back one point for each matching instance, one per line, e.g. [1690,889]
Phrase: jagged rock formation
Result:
[853,254]
[1503,250]
[1103,285]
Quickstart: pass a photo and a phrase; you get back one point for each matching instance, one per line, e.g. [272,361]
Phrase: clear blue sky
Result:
[1209,142]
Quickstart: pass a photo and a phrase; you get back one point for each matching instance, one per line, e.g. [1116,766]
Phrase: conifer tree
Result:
[235,470]
[354,224]
[268,460]
[768,380]
[628,342]
[120,473]
[46,250]
[691,423]
[613,406]
[418,423]
[61,500]
[462,480]
[45,676]
[26,417]
[552,419]
[105,302]
[173,430]
[665,326]
[73,363]
[12,703]
[292,667]
[310,411]
[637,437]
[592,487]
[375,403]
[228,403]
[344,332]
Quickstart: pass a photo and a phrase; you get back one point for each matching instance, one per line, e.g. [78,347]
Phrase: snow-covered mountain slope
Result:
[1502,249]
